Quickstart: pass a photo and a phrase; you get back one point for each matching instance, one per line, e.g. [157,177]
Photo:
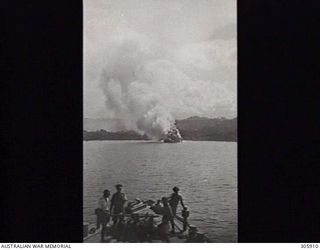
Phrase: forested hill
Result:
[193,128]
[206,129]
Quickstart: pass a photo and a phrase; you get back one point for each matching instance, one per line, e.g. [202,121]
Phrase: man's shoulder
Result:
[179,197]
[116,195]
[176,195]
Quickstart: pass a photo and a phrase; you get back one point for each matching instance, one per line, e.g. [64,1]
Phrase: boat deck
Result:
[93,235]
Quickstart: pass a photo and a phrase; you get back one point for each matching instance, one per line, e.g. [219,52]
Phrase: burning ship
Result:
[172,136]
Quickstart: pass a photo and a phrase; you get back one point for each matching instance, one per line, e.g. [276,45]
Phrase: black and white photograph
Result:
[160,121]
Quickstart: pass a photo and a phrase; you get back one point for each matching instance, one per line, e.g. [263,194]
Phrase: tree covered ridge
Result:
[192,128]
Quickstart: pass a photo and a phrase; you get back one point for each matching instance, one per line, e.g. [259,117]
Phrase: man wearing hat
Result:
[118,202]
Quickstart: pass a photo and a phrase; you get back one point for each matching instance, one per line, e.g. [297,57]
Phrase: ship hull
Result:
[172,141]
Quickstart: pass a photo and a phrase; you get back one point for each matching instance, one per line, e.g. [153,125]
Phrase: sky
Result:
[145,59]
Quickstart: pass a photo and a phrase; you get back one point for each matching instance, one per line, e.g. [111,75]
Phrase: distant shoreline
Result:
[191,129]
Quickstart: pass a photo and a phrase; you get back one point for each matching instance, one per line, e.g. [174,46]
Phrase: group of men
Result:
[116,208]
[106,207]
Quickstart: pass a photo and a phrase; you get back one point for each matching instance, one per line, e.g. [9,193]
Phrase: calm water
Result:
[206,173]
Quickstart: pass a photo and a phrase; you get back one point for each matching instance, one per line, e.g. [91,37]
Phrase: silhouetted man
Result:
[103,213]
[118,202]
[174,201]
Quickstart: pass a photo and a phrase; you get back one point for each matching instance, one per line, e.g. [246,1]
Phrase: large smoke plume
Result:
[148,93]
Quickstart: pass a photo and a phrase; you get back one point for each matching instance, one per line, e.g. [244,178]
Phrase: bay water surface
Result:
[205,172]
